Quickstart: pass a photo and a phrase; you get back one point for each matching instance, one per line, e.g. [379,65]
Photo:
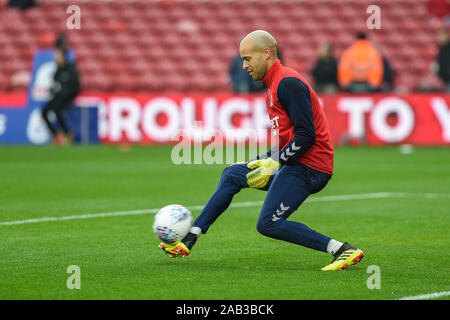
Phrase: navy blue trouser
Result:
[286,191]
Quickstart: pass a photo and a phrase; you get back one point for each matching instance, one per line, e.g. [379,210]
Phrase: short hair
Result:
[361,35]
[61,41]
[262,39]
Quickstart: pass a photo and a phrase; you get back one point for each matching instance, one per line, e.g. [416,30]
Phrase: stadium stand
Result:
[186,46]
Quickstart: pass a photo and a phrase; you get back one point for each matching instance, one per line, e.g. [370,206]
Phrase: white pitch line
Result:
[427,296]
[361,196]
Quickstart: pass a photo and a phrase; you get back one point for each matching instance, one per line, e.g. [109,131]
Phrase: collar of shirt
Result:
[270,75]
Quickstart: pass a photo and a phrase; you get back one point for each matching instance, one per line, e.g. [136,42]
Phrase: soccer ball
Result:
[172,223]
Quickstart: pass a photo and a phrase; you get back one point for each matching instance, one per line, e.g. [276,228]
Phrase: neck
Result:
[268,77]
[270,63]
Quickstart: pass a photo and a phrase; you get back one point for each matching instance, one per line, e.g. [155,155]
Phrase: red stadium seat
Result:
[4,82]
[144,41]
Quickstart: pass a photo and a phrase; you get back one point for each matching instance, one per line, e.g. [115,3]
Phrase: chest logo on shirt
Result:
[271,100]
[274,124]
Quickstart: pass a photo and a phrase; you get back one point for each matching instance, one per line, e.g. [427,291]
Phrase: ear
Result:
[267,53]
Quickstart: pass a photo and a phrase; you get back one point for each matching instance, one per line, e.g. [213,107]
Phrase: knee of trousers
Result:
[268,227]
[233,179]
[230,174]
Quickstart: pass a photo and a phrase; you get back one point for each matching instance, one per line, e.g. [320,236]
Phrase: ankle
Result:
[334,246]
[189,240]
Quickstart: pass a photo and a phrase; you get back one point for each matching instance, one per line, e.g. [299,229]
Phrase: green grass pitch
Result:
[402,228]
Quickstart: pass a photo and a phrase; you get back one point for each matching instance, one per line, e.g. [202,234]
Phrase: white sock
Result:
[333,246]
[196,230]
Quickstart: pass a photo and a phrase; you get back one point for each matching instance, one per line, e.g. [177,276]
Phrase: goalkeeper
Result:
[301,166]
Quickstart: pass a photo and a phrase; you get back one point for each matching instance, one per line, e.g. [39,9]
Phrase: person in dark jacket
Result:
[325,70]
[443,59]
[66,87]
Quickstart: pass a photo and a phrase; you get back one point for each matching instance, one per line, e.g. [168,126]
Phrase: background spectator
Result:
[325,70]
[388,73]
[443,60]
[361,67]
[66,87]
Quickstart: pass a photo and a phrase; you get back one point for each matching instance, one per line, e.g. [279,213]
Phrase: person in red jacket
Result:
[301,164]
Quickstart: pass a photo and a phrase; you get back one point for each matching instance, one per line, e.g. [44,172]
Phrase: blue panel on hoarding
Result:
[83,122]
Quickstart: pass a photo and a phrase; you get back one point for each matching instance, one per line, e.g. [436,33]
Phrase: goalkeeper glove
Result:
[264,168]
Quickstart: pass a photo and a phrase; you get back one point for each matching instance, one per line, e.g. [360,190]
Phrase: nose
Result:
[245,65]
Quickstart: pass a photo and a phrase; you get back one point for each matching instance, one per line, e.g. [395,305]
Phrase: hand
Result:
[259,177]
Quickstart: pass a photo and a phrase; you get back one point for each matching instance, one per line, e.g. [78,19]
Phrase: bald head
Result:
[258,50]
[261,39]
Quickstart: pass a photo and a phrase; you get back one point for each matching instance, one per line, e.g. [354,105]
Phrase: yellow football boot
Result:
[178,249]
[344,257]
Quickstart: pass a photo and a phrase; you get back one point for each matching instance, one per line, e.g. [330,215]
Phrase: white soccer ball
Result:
[172,223]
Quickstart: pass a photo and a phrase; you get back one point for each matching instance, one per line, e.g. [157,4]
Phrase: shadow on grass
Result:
[248,264]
